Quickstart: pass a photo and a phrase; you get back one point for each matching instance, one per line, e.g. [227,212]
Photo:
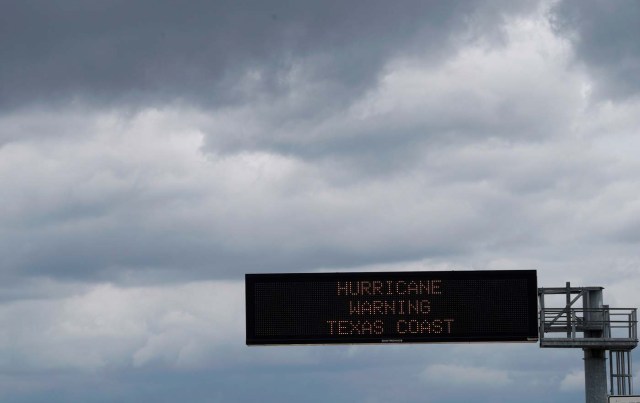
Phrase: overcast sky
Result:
[153,152]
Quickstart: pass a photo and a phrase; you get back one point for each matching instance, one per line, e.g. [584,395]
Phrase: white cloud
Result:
[187,326]
[514,91]
[463,376]
[573,381]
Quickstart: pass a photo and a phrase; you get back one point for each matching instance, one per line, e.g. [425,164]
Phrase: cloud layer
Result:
[150,52]
[150,155]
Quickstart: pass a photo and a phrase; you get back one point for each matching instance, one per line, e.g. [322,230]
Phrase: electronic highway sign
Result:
[391,307]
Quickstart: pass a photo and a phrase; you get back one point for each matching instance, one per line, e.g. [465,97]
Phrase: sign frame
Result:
[530,276]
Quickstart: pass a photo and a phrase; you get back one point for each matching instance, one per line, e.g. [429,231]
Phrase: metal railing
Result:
[594,323]
[620,373]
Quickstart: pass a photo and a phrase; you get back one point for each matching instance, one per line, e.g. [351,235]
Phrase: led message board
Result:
[386,307]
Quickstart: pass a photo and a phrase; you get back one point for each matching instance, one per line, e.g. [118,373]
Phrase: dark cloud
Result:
[145,52]
[152,152]
[517,92]
[605,36]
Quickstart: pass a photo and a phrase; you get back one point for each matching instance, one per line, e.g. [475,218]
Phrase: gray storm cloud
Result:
[149,52]
[604,34]
[152,152]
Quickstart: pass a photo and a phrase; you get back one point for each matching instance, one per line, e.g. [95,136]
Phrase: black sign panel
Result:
[387,307]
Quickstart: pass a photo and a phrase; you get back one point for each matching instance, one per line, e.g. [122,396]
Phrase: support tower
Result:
[596,329]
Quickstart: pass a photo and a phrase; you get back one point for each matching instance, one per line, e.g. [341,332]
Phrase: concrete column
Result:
[595,376]
[595,363]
